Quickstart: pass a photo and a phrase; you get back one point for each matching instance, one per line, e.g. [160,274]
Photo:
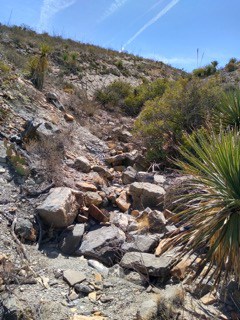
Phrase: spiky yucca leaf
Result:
[228,111]
[213,213]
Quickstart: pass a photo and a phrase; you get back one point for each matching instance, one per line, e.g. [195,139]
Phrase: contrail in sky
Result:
[152,21]
[116,5]
[49,9]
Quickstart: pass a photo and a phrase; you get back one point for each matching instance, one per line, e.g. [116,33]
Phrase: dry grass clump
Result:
[50,154]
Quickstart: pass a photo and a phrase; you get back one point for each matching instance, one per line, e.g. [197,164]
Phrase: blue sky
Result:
[167,30]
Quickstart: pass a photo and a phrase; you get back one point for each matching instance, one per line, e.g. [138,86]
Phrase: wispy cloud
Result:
[49,9]
[180,61]
[114,6]
[152,21]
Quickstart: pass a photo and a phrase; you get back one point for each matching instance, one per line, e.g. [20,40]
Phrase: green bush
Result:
[186,105]
[4,68]
[231,65]
[206,71]
[113,96]
[147,91]
[130,99]
[214,223]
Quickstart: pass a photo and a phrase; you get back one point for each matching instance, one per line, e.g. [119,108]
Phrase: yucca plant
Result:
[212,217]
[38,66]
[228,111]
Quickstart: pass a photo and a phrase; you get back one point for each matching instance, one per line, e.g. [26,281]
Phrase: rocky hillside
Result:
[84,220]
[83,65]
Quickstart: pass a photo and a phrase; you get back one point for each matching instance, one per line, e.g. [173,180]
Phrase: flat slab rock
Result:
[103,244]
[59,209]
[72,277]
[141,243]
[148,263]
[146,194]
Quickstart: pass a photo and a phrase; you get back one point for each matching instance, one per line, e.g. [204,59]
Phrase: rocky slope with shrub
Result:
[85,219]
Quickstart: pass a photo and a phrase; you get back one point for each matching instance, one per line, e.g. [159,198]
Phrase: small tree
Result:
[38,66]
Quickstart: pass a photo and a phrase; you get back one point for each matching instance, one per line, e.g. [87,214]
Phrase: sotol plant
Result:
[38,66]
[213,214]
[228,111]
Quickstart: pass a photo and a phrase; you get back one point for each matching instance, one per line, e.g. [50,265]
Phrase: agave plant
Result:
[228,110]
[212,216]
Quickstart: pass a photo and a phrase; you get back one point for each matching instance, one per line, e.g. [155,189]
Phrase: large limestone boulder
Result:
[146,194]
[147,263]
[60,208]
[103,244]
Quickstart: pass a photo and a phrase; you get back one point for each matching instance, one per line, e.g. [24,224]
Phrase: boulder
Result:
[53,98]
[103,172]
[82,164]
[97,214]
[3,152]
[159,179]
[148,264]
[86,186]
[122,202]
[141,243]
[99,267]
[157,222]
[92,198]
[103,244]
[71,239]
[122,134]
[68,117]
[129,175]
[146,194]
[143,176]
[60,208]
[24,229]
[123,159]
[120,220]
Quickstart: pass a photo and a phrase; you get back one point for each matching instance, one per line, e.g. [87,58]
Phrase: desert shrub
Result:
[17,59]
[231,65]
[4,68]
[50,154]
[213,226]
[130,99]
[119,64]
[147,91]
[38,66]
[16,160]
[113,96]
[207,70]
[185,106]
